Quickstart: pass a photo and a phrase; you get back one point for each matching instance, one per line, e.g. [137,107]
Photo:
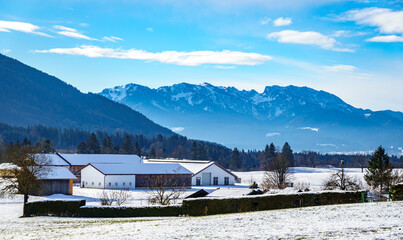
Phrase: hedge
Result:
[397,192]
[53,208]
[267,202]
[194,207]
[152,211]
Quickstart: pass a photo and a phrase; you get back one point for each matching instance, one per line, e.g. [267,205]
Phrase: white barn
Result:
[130,176]
[204,173]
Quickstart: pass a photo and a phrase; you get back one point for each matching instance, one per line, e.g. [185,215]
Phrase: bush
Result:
[268,202]
[153,211]
[53,208]
[397,192]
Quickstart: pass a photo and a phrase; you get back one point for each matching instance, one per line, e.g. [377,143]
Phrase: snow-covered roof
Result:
[174,160]
[84,159]
[229,192]
[8,166]
[53,158]
[196,167]
[142,168]
[57,173]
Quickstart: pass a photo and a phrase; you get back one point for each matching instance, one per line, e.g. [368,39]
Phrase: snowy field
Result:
[313,176]
[383,220]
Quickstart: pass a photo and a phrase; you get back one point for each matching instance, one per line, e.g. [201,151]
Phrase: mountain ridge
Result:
[271,111]
[30,97]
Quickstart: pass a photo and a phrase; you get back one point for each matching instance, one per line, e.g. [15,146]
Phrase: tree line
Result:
[49,139]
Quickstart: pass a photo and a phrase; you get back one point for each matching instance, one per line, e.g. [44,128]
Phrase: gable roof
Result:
[84,159]
[143,168]
[53,158]
[57,173]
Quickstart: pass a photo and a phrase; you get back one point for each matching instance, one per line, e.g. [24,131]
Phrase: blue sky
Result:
[353,49]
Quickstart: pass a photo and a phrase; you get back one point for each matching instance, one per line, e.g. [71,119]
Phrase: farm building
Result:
[204,173]
[7,170]
[56,180]
[76,162]
[130,176]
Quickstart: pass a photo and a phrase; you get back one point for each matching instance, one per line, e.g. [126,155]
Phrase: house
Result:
[76,162]
[134,175]
[7,170]
[56,180]
[204,173]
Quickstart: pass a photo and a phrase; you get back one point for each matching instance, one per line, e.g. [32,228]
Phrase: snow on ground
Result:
[314,176]
[382,220]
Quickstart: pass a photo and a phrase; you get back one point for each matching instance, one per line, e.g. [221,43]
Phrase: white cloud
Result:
[268,135]
[4,51]
[177,129]
[310,128]
[173,57]
[7,26]
[282,22]
[71,32]
[386,20]
[386,39]
[224,67]
[326,144]
[340,68]
[112,39]
[343,33]
[309,38]
[265,20]
[150,29]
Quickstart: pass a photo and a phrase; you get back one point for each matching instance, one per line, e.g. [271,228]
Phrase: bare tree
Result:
[108,197]
[342,181]
[279,173]
[165,189]
[25,176]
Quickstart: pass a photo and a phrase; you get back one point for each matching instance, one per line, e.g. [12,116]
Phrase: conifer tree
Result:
[93,145]
[286,151]
[268,154]
[136,149]
[379,171]
[107,146]
[235,160]
[127,147]
[152,153]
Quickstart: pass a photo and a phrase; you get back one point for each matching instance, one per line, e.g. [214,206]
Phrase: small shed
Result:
[7,170]
[56,180]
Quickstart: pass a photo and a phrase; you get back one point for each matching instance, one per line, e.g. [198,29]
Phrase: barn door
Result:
[206,179]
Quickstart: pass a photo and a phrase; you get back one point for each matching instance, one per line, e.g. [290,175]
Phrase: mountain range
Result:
[31,97]
[308,119]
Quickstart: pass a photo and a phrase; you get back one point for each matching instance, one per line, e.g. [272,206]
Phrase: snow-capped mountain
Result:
[308,118]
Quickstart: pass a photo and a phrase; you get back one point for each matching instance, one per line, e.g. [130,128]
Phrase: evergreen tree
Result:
[107,146]
[45,146]
[82,148]
[152,153]
[268,155]
[288,154]
[235,160]
[93,145]
[127,147]
[379,171]
[136,149]
[194,151]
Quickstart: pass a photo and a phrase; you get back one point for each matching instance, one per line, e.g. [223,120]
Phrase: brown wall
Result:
[165,180]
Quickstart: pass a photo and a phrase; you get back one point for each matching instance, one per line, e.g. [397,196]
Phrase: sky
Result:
[353,49]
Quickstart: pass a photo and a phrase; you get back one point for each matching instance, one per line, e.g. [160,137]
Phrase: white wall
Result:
[215,172]
[91,178]
[120,181]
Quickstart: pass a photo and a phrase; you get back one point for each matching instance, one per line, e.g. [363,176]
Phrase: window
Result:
[116,183]
[99,184]
[198,181]
[124,184]
[226,181]
[215,180]
[92,183]
[130,183]
[110,184]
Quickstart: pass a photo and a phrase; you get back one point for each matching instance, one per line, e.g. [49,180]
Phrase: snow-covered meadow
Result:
[383,220]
